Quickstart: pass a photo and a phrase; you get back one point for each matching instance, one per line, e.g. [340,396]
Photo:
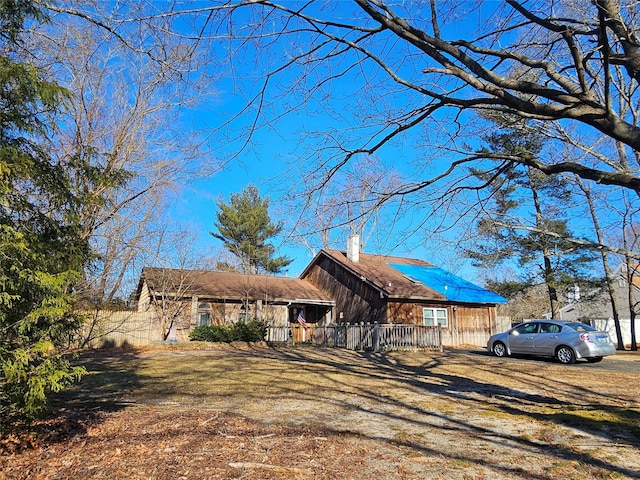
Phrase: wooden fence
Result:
[119,329]
[370,337]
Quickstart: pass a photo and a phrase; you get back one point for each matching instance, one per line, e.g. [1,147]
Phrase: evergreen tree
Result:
[244,227]
[42,253]
[526,223]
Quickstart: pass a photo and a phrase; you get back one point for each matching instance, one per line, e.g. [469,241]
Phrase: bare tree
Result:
[417,67]
[631,237]
[608,271]
[353,204]
[175,268]
[123,115]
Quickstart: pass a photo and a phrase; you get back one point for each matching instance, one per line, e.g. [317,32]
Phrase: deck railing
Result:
[364,336]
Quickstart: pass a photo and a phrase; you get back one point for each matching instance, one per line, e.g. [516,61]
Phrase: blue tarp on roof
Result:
[456,289]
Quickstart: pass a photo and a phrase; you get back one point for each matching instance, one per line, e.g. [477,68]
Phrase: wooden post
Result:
[414,336]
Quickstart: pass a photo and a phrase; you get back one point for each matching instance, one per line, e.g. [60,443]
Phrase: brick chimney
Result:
[353,248]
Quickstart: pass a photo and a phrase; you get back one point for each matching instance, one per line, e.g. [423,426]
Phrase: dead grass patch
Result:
[256,412]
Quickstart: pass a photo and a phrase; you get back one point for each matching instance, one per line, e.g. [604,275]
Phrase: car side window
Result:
[525,329]
[532,328]
[549,328]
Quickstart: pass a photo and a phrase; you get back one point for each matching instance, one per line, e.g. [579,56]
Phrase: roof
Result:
[232,286]
[410,278]
[455,288]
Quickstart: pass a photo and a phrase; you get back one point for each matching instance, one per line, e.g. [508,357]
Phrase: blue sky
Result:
[269,161]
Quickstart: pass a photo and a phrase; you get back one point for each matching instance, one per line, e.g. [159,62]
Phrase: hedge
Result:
[252,331]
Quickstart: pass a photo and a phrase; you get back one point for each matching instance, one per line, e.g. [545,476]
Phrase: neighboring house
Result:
[387,289]
[594,307]
[183,299]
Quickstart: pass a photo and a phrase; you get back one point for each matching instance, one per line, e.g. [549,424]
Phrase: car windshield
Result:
[581,327]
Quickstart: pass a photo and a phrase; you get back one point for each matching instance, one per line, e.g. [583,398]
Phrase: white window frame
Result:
[434,319]
[203,317]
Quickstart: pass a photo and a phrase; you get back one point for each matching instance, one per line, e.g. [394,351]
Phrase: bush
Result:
[252,331]
[213,333]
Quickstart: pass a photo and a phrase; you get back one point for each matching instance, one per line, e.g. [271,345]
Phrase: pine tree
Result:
[519,192]
[42,253]
[244,226]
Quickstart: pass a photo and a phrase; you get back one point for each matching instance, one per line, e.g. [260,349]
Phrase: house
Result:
[336,287]
[594,306]
[183,299]
[388,289]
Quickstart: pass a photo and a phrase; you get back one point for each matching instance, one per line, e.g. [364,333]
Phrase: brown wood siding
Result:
[467,324]
[471,325]
[409,312]
[402,312]
[356,300]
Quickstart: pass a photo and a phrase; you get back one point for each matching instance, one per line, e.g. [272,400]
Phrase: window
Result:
[525,329]
[549,328]
[204,314]
[245,312]
[434,316]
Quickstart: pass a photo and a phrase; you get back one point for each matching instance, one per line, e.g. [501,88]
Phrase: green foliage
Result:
[525,220]
[244,227]
[43,249]
[252,331]
[507,288]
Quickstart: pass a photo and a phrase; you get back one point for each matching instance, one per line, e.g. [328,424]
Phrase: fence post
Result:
[346,335]
[376,337]
[414,336]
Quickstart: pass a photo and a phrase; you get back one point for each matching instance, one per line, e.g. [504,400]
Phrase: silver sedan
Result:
[565,341]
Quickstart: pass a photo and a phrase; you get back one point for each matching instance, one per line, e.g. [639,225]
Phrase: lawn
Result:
[313,413]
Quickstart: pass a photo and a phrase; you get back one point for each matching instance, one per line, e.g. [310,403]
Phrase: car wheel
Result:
[565,355]
[594,359]
[499,349]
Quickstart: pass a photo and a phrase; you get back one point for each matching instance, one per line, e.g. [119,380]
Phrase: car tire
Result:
[565,355]
[594,359]
[499,349]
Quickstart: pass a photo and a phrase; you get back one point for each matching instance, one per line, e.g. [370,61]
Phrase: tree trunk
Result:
[548,274]
[605,264]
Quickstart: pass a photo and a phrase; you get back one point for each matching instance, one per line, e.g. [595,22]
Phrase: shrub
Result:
[252,331]
[212,333]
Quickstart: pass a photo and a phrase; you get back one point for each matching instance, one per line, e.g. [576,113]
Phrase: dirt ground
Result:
[255,412]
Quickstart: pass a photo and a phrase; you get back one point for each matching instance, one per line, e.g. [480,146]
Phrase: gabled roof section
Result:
[231,286]
[454,288]
[622,272]
[404,278]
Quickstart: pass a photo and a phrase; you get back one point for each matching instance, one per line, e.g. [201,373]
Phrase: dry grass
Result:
[240,412]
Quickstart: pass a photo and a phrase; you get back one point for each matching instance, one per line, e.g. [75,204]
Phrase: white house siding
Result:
[607,325]
[144,300]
